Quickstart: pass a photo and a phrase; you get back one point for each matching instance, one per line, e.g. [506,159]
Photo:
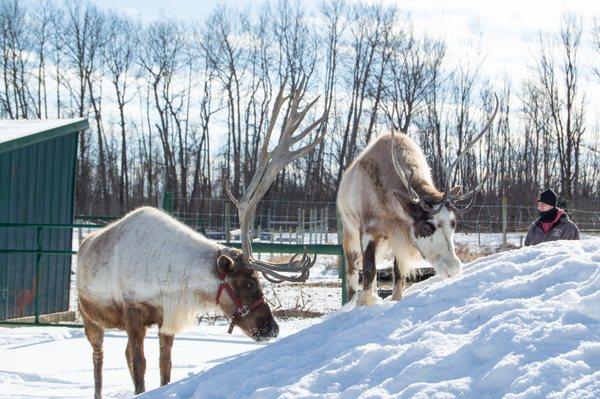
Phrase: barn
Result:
[38,161]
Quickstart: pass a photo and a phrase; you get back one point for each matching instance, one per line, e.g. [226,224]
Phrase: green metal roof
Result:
[20,133]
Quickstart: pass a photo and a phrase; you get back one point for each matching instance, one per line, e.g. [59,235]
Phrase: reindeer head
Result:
[244,300]
[434,212]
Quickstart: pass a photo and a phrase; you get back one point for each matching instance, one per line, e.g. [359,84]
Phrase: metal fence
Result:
[40,252]
[314,222]
[275,221]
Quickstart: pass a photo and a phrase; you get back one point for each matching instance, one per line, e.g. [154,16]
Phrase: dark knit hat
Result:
[548,197]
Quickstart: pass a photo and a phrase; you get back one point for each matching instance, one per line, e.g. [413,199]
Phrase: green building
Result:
[38,162]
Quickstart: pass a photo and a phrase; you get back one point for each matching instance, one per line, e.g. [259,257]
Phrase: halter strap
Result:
[242,310]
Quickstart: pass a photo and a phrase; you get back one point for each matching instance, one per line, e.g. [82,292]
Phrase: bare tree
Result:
[119,58]
[161,57]
[559,84]
[83,27]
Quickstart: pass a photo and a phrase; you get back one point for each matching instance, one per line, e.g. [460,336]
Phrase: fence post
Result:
[166,204]
[326,225]
[227,232]
[322,226]
[303,225]
[504,222]
[270,226]
[298,227]
[313,225]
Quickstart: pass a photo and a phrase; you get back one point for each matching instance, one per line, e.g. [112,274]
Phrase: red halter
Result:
[242,310]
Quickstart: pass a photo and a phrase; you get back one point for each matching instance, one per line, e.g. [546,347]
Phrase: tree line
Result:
[182,105]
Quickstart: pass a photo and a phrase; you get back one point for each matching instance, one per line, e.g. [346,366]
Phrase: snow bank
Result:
[520,324]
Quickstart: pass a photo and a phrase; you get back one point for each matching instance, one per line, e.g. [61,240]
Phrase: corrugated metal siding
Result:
[36,186]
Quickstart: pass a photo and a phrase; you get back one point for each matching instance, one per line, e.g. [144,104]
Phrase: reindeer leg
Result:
[166,343]
[136,332]
[129,358]
[399,281]
[368,295]
[353,255]
[95,335]
[403,256]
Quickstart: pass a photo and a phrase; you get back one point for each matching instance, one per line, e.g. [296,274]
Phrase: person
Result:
[553,223]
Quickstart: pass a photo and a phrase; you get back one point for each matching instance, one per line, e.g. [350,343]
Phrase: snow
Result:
[14,129]
[56,362]
[519,324]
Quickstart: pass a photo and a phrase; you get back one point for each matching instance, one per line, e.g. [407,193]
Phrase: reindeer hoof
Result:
[396,294]
[366,298]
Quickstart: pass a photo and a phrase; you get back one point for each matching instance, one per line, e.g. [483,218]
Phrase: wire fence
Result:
[314,220]
[275,221]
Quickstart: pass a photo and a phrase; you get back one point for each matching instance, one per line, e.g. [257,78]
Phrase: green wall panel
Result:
[36,186]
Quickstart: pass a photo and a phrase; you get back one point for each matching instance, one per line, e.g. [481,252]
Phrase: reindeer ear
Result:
[226,265]
[455,190]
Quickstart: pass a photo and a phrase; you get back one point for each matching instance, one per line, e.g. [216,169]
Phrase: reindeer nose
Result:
[274,329]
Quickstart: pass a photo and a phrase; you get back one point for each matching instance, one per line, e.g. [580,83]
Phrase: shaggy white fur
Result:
[150,257]
[367,204]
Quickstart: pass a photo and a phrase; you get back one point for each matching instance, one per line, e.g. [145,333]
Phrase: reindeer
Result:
[149,269]
[378,205]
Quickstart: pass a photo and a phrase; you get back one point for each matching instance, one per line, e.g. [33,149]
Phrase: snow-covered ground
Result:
[518,324]
[56,362]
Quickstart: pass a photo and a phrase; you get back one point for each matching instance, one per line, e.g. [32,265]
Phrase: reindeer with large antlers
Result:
[148,268]
[380,205]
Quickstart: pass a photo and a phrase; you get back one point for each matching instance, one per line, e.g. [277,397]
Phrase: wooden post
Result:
[504,222]
[303,225]
[313,226]
[227,232]
[321,226]
[310,230]
[326,224]
[280,236]
[298,227]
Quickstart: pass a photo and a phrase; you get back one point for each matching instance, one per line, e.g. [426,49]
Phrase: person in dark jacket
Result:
[553,223]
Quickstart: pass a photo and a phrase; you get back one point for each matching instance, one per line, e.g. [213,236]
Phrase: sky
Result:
[500,36]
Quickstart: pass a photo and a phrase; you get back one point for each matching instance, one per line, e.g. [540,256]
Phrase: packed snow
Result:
[518,324]
[56,362]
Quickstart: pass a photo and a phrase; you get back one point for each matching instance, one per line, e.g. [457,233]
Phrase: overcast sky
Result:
[503,35]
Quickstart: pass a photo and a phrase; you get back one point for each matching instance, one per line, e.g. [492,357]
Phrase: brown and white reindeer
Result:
[379,205]
[149,269]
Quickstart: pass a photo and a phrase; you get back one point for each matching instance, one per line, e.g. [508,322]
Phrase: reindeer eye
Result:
[424,229]
[249,285]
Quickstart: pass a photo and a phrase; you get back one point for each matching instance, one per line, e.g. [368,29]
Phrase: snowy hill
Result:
[521,324]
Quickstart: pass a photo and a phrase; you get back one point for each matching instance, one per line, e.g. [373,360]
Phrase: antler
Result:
[448,198]
[270,163]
